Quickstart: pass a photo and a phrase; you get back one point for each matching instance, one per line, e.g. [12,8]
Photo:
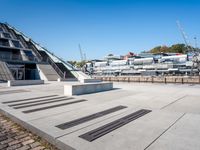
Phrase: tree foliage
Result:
[78,64]
[176,48]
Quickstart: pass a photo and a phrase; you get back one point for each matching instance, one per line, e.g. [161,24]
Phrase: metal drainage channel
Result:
[88,118]
[43,100]
[12,91]
[97,133]
[53,106]
[27,99]
[48,102]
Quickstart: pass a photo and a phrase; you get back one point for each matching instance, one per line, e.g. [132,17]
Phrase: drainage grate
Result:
[28,99]
[53,106]
[88,118]
[96,133]
[43,100]
[58,100]
[12,91]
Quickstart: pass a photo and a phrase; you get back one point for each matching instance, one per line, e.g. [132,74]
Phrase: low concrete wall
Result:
[79,89]
[154,79]
[68,79]
[24,82]
[90,80]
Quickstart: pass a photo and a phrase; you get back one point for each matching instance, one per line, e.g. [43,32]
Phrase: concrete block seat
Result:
[87,88]
[91,80]
[24,82]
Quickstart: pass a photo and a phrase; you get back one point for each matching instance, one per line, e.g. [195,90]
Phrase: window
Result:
[28,53]
[1,30]
[4,42]
[5,55]
[6,35]
[17,44]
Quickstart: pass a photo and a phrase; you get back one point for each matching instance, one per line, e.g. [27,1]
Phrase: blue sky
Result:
[102,26]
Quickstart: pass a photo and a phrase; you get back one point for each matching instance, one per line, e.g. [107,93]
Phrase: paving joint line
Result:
[164,131]
[48,116]
[173,102]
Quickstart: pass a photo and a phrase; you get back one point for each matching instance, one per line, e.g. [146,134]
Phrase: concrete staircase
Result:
[47,72]
[66,72]
[5,73]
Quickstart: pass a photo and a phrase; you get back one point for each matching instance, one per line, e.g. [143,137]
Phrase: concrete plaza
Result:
[172,124]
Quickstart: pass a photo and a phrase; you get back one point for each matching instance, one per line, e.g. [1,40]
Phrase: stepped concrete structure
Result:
[5,73]
[23,59]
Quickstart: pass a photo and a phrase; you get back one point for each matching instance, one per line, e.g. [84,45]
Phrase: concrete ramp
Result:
[47,72]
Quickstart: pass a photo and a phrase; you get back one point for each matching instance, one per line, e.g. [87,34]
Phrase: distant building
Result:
[129,55]
[113,57]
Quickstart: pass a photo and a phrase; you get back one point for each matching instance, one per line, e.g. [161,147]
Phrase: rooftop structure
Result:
[146,64]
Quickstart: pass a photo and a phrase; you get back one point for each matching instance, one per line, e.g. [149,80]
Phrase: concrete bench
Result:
[87,88]
[24,82]
[90,80]
[68,79]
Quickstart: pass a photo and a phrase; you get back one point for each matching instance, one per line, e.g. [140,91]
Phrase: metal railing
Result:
[57,69]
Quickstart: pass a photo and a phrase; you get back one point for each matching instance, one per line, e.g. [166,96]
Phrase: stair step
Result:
[49,72]
[5,73]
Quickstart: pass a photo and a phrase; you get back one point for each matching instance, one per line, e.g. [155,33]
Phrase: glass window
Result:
[6,35]
[28,53]
[17,44]
[1,30]
[4,42]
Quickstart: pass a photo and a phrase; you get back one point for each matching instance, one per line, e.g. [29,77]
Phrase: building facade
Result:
[23,59]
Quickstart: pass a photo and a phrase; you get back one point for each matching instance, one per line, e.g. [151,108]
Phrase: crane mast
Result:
[185,38]
[196,56]
[81,53]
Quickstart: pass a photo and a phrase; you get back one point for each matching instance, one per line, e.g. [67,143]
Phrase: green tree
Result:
[72,62]
[164,49]
[155,49]
[178,48]
[80,64]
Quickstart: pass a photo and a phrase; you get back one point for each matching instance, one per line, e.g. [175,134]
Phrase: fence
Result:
[154,79]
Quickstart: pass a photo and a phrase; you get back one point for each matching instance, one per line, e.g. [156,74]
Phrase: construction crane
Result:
[85,56]
[195,42]
[196,56]
[184,36]
[81,53]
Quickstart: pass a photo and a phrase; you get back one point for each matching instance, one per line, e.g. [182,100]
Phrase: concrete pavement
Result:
[172,124]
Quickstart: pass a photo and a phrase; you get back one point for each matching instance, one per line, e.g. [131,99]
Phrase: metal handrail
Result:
[70,65]
[57,69]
